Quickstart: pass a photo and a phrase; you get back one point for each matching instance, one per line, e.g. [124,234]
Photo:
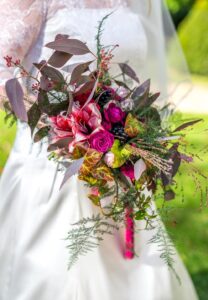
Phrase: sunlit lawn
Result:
[191,230]
[6,140]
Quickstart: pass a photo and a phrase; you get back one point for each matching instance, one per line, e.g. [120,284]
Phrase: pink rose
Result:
[109,159]
[128,170]
[101,140]
[113,113]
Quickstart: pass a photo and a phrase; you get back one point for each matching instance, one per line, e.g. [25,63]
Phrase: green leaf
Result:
[120,154]
[140,215]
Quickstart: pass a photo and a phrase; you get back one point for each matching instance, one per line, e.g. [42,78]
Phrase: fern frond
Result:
[87,235]
[166,248]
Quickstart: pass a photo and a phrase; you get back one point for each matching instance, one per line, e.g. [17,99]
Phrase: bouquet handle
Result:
[129,233]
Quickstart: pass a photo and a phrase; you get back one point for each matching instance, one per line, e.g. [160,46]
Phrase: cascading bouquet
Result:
[109,131]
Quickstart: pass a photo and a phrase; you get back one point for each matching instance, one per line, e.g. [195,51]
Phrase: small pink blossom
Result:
[109,159]
[95,191]
[186,158]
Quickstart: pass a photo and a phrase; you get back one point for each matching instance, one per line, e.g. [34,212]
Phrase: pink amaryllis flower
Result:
[61,127]
[79,125]
[84,121]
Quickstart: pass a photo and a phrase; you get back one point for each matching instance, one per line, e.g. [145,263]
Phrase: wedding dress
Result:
[35,214]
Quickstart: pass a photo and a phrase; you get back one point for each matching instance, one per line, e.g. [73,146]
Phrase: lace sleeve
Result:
[20,24]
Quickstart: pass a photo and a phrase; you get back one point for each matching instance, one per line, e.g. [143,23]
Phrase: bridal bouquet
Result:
[107,131]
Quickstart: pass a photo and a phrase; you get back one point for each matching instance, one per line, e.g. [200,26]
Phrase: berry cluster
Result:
[10,62]
[118,131]
[104,98]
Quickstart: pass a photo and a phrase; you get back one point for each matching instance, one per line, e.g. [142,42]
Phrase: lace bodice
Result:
[91,3]
[30,24]
[20,24]
[22,21]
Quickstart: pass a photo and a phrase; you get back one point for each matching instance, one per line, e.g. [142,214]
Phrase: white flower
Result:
[139,168]
[122,92]
[109,159]
[127,104]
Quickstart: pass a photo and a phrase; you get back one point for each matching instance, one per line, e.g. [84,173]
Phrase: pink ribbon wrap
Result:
[129,234]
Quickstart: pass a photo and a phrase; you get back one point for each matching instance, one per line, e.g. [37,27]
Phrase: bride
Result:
[34,214]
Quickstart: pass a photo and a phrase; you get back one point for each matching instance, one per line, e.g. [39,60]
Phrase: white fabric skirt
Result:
[35,216]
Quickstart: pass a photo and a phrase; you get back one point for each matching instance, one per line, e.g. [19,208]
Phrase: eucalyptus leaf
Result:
[141,94]
[78,71]
[70,46]
[50,72]
[85,88]
[58,59]
[187,124]
[72,170]
[127,70]
[41,133]
[34,114]
[15,95]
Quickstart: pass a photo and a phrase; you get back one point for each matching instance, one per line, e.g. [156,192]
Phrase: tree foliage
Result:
[179,9]
[194,38]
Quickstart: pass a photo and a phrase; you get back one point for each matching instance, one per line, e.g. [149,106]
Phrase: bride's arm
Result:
[20,25]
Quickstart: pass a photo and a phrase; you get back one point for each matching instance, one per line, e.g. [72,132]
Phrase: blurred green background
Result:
[189,223]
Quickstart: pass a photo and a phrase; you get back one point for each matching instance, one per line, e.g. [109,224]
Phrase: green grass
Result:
[190,223]
[6,140]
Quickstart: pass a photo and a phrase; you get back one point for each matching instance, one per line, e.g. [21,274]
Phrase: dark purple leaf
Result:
[73,169]
[41,133]
[176,162]
[151,99]
[174,155]
[45,83]
[78,71]
[50,72]
[70,46]
[15,95]
[51,109]
[61,144]
[169,195]
[121,83]
[127,70]
[187,124]
[83,79]
[61,36]
[34,114]
[59,59]
[71,67]
[142,90]
[85,88]
[91,94]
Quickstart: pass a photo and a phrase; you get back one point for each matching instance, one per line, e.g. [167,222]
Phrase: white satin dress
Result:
[35,215]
